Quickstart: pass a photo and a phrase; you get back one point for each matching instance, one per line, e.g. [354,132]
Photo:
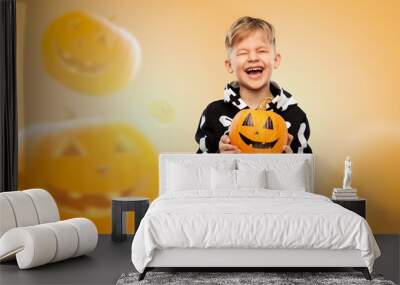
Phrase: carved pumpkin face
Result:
[89,54]
[84,167]
[258,131]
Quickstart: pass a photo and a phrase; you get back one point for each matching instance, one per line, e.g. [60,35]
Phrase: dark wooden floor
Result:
[103,266]
[110,260]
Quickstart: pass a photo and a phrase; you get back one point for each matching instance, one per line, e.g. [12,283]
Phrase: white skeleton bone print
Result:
[217,118]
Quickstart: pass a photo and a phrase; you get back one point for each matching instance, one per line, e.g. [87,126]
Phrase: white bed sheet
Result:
[250,218]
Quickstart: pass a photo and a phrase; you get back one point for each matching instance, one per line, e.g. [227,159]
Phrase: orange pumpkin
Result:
[83,165]
[258,131]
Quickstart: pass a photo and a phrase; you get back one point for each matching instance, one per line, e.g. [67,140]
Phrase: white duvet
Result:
[252,218]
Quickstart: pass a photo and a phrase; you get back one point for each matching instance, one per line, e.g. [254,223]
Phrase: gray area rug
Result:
[228,278]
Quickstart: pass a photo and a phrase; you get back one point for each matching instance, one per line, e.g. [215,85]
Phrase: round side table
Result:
[121,205]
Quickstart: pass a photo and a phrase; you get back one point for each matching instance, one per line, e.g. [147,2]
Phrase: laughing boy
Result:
[252,57]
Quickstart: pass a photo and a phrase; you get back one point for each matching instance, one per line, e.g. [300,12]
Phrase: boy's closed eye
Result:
[242,53]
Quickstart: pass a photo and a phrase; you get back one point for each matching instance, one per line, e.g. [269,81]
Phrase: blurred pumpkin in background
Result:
[89,54]
[83,167]
[258,131]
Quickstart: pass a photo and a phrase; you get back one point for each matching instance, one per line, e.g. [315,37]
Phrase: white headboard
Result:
[209,158]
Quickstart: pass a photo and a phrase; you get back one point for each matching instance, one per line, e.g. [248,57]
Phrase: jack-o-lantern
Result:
[89,54]
[84,166]
[258,131]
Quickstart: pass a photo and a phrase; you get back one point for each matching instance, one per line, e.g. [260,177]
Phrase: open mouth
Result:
[257,144]
[82,66]
[254,72]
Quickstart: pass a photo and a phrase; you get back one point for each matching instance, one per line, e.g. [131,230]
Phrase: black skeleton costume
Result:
[218,115]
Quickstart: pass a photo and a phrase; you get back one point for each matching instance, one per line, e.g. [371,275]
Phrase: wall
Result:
[340,60]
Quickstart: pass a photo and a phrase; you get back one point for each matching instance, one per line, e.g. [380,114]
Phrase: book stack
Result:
[344,194]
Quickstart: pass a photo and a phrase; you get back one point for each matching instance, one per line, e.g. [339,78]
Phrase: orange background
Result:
[340,59]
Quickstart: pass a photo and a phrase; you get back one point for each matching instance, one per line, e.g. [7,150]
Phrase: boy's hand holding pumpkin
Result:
[286,148]
[225,145]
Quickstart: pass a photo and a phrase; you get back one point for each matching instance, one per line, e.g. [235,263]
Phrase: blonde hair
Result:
[245,25]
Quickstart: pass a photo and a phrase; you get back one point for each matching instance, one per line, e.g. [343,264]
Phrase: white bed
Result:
[202,220]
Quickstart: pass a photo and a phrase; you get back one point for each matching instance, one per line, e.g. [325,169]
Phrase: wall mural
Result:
[105,86]
[89,54]
[84,163]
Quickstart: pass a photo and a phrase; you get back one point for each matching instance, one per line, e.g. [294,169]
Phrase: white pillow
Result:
[282,174]
[184,174]
[291,179]
[251,178]
[223,179]
[227,179]
[181,177]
